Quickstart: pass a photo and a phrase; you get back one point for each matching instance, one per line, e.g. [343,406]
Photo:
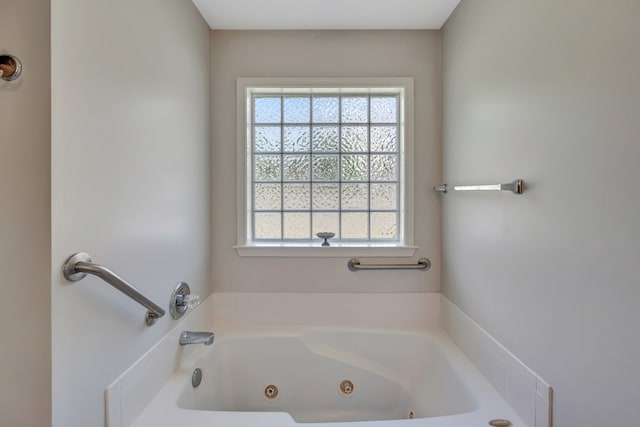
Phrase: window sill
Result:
[314,250]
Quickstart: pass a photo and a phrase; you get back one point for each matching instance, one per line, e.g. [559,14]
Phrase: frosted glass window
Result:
[297,225]
[325,139]
[355,196]
[296,138]
[355,167]
[267,197]
[355,110]
[355,138]
[326,109]
[384,139]
[384,109]
[296,197]
[267,139]
[267,109]
[268,225]
[295,167]
[325,162]
[297,110]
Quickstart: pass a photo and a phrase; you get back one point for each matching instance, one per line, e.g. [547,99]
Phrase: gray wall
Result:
[549,91]
[25,243]
[131,182]
[323,54]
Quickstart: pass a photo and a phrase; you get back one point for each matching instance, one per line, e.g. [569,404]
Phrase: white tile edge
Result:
[112,405]
[541,404]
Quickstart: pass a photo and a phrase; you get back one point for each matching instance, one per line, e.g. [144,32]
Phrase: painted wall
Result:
[131,182]
[549,92]
[323,54]
[25,243]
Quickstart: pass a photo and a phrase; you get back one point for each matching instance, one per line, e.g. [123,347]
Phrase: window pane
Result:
[384,225]
[355,138]
[355,110]
[384,168]
[355,196]
[325,110]
[267,197]
[268,225]
[325,138]
[384,109]
[354,168]
[296,138]
[297,110]
[267,168]
[325,197]
[297,225]
[325,167]
[267,109]
[326,222]
[320,166]
[266,139]
[296,167]
[297,196]
[355,225]
[384,139]
[384,196]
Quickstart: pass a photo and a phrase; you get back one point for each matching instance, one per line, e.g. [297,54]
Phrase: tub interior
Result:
[394,375]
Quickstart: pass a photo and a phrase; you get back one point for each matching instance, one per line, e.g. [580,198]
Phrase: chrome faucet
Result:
[188,337]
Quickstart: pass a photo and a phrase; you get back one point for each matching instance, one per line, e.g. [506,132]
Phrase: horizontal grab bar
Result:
[423,264]
[516,187]
[79,265]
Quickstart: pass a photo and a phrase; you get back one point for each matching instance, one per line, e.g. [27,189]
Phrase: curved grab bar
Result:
[423,264]
[77,266]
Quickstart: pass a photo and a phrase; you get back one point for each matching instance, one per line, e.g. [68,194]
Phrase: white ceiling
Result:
[325,14]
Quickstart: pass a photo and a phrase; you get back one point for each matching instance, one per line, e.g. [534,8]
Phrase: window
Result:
[324,158]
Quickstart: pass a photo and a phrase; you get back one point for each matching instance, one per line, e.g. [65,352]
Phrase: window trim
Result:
[281,86]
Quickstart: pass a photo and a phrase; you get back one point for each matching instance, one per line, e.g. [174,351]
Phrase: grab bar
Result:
[423,264]
[77,266]
[516,187]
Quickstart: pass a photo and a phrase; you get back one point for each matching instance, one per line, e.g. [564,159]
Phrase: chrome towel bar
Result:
[77,266]
[516,187]
[423,264]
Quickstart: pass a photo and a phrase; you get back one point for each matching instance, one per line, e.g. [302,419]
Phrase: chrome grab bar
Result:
[423,264]
[516,187]
[77,266]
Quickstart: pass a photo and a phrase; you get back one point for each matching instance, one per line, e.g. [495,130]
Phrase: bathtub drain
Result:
[346,387]
[196,377]
[271,392]
[500,423]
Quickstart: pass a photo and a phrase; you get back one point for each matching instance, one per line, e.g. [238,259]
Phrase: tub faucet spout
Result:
[188,337]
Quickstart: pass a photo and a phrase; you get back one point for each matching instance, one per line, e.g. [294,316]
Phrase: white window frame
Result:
[246,87]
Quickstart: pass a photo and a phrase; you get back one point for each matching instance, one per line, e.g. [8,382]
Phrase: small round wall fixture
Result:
[10,67]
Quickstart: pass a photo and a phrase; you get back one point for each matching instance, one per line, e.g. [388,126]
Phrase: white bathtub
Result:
[396,374]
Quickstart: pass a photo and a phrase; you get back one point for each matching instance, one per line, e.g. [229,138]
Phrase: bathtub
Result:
[289,375]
